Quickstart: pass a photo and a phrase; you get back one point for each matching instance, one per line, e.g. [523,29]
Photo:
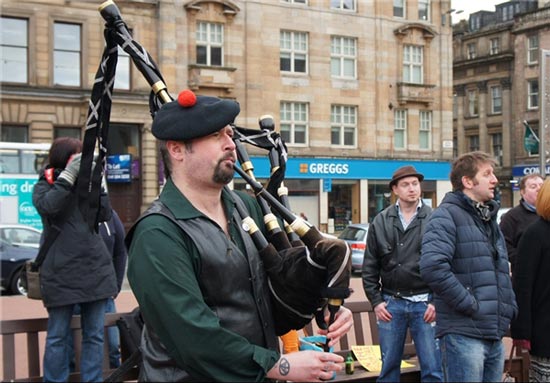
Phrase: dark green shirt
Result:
[162,269]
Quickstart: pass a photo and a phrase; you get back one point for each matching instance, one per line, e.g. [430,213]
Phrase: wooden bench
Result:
[31,329]
[363,314]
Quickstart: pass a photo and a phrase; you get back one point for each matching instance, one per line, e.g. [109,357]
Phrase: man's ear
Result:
[176,149]
[467,182]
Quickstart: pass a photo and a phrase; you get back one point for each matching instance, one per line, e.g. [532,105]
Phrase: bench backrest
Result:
[31,329]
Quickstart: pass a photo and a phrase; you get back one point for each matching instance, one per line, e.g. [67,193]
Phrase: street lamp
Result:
[448,13]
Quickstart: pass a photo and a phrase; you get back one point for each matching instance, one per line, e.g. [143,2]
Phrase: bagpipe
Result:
[306,270]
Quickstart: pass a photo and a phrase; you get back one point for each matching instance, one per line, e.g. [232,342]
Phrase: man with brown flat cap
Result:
[392,282]
[196,273]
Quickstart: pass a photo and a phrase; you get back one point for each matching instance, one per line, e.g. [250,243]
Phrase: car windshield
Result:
[353,234]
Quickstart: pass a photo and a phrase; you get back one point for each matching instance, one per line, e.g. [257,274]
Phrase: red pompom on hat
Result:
[187,98]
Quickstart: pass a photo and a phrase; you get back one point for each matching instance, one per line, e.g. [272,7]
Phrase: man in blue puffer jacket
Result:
[464,261]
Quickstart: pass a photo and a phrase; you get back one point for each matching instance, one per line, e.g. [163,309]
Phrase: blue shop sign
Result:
[525,170]
[323,168]
[119,168]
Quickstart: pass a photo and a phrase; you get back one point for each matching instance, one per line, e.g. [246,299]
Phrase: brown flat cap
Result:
[405,171]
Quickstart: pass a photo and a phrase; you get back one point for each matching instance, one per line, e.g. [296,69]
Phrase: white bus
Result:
[19,167]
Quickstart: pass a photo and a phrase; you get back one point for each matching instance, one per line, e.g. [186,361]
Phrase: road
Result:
[20,307]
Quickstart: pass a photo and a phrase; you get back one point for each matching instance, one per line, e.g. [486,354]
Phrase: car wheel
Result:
[15,286]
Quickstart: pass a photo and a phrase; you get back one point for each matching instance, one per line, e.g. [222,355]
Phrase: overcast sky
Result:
[471,6]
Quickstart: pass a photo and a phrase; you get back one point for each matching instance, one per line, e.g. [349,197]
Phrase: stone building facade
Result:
[357,88]
[496,77]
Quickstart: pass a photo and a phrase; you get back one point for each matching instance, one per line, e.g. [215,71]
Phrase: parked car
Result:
[18,244]
[356,236]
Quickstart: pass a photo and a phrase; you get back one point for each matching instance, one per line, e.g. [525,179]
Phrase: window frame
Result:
[338,116]
[532,97]
[209,44]
[56,80]
[473,103]
[290,108]
[292,51]
[471,51]
[473,142]
[494,46]
[533,50]
[425,127]
[497,144]
[341,57]
[496,107]
[400,123]
[427,10]
[342,4]
[410,65]
[4,48]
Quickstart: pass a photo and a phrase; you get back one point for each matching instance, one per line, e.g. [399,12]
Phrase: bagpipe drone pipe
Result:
[306,270]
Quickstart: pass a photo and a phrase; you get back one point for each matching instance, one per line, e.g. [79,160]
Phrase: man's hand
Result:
[429,314]
[381,313]
[343,322]
[306,366]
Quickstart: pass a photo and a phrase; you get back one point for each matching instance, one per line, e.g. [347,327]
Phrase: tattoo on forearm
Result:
[284,367]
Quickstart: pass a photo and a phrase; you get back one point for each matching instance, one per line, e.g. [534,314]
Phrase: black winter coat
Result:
[532,288]
[465,263]
[78,267]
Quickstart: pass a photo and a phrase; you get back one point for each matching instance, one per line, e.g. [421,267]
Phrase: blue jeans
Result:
[56,354]
[407,314]
[112,335]
[468,359]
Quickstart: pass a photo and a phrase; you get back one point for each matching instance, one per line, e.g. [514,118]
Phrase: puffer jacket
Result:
[465,263]
[78,267]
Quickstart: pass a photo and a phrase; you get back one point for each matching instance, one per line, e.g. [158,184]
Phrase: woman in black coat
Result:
[532,270]
[77,268]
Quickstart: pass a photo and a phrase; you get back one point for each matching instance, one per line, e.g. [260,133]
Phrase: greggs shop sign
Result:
[319,168]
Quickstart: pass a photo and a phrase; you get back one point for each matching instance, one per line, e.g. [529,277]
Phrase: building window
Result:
[472,103]
[533,94]
[293,47]
[424,10]
[413,64]
[294,122]
[343,56]
[296,1]
[399,8]
[425,132]
[14,133]
[533,49]
[495,46]
[14,46]
[455,106]
[473,143]
[68,132]
[496,99]
[400,129]
[471,51]
[343,125]
[209,44]
[66,54]
[496,147]
[348,5]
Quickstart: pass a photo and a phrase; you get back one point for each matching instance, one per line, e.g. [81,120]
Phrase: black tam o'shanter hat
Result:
[193,116]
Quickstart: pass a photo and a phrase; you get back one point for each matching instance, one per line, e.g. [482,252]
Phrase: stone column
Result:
[484,141]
